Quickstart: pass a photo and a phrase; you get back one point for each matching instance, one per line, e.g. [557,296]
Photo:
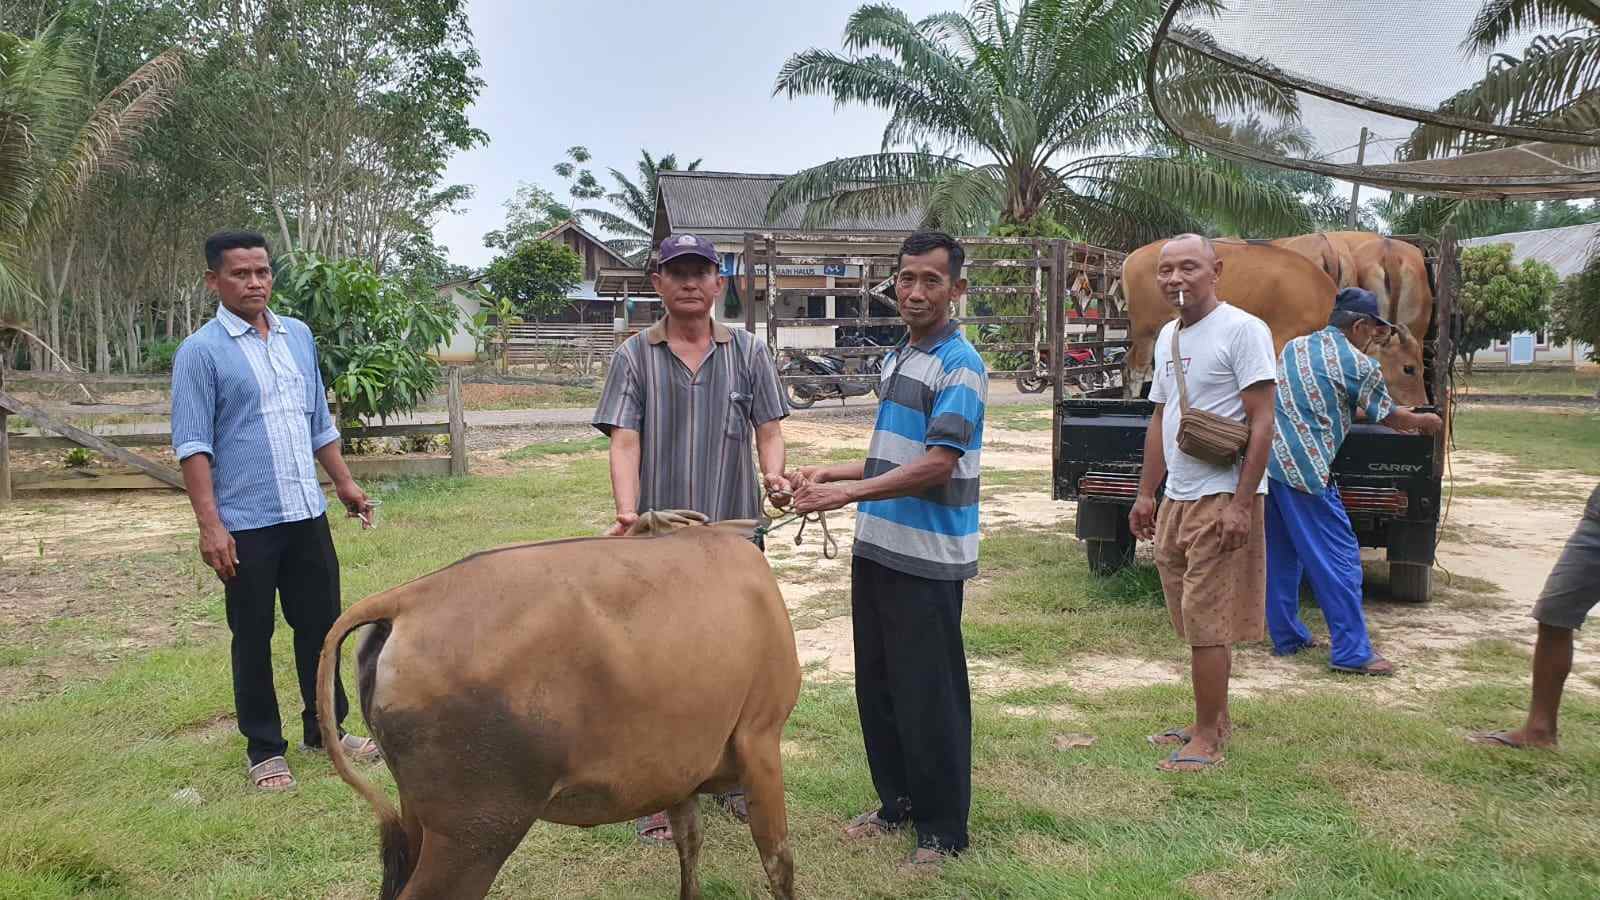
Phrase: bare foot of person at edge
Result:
[1517,739]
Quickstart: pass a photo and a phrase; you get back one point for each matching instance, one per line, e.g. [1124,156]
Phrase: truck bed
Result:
[1389,482]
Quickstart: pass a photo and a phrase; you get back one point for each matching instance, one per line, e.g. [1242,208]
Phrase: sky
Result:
[693,78]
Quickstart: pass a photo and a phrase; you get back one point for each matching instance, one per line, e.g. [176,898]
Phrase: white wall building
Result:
[1565,250]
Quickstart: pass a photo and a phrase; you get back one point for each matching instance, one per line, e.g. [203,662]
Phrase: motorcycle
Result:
[803,394]
[1037,380]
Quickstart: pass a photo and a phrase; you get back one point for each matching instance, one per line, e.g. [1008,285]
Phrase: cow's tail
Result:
[392,836]
[1393,279]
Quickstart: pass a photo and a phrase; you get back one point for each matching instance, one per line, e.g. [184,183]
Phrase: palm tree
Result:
[1047,100]
[637,221]
[54,141]
[1552,84]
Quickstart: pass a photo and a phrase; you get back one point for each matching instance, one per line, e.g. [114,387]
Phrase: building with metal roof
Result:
[723,206]
[1566,250]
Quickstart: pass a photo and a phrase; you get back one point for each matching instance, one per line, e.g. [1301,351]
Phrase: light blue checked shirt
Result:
[1322,380]
[257,407]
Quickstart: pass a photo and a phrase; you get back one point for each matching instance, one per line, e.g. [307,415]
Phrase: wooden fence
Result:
[143,472]
[560,347]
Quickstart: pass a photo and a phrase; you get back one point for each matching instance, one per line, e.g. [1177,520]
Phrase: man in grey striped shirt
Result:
[680,403]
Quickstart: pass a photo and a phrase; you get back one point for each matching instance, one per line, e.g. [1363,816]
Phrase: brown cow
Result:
[583,682]
[1333,258]
[1283,288]
[1395,271]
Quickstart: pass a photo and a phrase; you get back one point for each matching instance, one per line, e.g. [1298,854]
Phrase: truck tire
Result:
[1108,557]
[1410,582]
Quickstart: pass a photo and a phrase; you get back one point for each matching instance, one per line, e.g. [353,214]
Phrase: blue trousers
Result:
[1309,535]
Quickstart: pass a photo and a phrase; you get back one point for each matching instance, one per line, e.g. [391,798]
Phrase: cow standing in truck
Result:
[1324,379]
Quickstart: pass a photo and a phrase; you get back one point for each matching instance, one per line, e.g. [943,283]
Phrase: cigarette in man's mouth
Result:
[1180,297]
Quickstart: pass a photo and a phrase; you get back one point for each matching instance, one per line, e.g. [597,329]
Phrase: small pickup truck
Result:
[1390,482]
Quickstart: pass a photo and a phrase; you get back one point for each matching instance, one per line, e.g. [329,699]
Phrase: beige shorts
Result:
[1215,598]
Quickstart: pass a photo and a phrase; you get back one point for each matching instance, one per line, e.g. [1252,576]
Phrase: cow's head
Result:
[1401,360]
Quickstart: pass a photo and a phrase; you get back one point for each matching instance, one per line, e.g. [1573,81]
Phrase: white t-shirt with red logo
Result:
[1223,353]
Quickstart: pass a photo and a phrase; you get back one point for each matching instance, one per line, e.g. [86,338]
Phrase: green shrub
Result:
[156,356]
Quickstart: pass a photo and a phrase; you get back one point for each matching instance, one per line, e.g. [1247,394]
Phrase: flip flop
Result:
[275,767]
[924,861]
[357,748]
[1366,669]
[1308,645]
[735,804]
[1200,763]
[1502,738]
[1169,738]
[655,830]
[872,825]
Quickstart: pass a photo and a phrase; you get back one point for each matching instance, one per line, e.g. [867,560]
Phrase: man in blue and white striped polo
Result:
[250,422]
[916,545]
[1323,378]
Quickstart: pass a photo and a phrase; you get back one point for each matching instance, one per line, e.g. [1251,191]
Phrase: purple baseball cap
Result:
[677,245]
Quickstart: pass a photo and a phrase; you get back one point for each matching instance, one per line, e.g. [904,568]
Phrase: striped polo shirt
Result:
[257,407]
[695,429]
[934,392]
[1322,379]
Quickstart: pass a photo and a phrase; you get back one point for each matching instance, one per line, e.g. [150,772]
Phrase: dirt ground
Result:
[1493,560]
[87,578]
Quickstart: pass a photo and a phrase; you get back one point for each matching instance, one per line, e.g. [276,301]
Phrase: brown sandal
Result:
[735,804]
[357,748]
[275,767]
[655,830]
[871,825]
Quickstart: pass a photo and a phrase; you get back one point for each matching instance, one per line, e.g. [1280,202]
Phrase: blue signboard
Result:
[836,270]
[730,265]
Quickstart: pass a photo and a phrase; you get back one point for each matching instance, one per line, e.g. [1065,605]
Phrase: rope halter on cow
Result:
[657,522]
[830,547]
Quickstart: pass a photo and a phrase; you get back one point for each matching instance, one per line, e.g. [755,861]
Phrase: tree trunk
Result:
[102,349]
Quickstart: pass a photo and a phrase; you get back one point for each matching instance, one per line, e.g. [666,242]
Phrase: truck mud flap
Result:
[1107,539]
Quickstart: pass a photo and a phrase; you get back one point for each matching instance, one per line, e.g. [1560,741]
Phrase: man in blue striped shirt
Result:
[916,544]
[1323,378]
[250,422]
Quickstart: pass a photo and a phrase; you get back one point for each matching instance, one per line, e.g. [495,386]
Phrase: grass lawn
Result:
[1572,381]
[1537,439]
[1020,417]
[1326,794]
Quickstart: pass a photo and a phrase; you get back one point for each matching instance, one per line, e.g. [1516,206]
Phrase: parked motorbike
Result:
[1039,379]
[866,365]
[802,394]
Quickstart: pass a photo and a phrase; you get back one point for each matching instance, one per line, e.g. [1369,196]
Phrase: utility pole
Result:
[1355,189]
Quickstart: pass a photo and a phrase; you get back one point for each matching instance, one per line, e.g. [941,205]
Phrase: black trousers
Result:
[914,701]
[296,560]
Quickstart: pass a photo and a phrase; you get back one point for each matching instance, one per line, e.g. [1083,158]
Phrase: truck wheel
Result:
[1410,582]
[1106,557]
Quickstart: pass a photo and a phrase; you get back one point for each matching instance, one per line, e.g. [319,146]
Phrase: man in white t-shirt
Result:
[1210,535]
